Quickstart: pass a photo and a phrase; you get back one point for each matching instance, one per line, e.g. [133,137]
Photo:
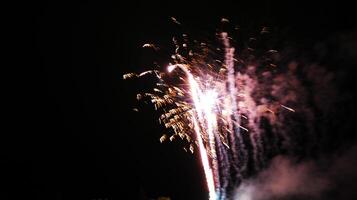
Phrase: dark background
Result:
[73,134]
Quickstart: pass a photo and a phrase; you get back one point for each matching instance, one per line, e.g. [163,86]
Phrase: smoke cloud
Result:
[286,179]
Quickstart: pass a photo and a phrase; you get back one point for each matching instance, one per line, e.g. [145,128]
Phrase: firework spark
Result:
[212,106]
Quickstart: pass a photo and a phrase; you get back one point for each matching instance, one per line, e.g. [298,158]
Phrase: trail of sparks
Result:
[204,104]
[205,163]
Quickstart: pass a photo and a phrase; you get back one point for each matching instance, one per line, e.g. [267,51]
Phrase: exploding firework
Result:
[217,100]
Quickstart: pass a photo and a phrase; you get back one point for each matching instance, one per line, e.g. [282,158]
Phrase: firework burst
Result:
[214,105]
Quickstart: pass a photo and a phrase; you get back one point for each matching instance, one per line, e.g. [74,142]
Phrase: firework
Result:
[212,105]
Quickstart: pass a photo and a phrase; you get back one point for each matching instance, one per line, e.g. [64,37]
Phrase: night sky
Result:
[73,134]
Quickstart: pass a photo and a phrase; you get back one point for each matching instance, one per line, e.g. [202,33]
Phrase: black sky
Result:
[73,134]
